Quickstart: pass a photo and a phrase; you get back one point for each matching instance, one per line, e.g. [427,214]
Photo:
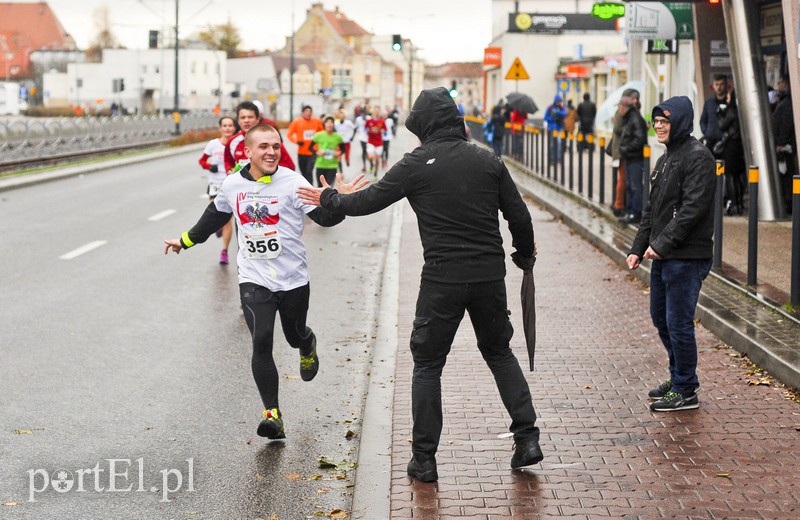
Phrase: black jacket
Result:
[634,136]
[678,221]
[457,190]
[709,122]
[587,111]
[783,123]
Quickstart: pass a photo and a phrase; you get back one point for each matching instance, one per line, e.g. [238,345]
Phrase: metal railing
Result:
[551,155]
[33,138]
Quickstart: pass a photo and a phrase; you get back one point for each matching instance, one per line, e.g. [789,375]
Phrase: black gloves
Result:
[213,168]
[523,262]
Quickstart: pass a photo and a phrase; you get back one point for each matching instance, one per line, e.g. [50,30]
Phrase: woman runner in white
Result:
[273,270]
[213,160]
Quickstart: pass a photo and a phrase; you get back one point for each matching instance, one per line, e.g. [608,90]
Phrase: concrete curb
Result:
[31,179]
[371,495]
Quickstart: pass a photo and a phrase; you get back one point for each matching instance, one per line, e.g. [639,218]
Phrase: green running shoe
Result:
[271,426]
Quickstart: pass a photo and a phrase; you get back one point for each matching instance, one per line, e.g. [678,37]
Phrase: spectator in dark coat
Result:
[709,124]
[785,142]
[730,150]
[631,149]
[587,111]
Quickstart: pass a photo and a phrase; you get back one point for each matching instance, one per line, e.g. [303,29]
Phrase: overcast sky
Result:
[446,30]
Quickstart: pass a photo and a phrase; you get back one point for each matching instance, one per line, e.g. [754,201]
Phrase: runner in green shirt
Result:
[328,147]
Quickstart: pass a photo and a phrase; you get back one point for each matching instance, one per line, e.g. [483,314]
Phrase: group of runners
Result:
[269,200]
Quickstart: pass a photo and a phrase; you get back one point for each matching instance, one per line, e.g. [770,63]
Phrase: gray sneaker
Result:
[661,390]
[676,401]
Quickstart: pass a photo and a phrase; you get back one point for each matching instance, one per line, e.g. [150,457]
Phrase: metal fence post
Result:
[752,228]
[590,172]
[602,182]
[795,291]
[571,157]
[614,175]
[646,170]
[561,143]
[720,193]
[580,161]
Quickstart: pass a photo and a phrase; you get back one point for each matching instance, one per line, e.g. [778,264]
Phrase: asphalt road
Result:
[117,359]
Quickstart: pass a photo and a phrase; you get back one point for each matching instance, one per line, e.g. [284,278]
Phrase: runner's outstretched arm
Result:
[210,221]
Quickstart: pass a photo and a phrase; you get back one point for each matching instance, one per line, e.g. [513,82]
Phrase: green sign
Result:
[684,23]
[608,10]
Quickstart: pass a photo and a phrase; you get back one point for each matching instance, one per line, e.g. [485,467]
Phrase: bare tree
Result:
[104,37]
[223,37]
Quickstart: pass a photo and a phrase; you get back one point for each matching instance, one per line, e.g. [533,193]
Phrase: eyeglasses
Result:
[660,122]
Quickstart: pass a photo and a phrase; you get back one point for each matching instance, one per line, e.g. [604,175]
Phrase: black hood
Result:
[680,113]
[435,111]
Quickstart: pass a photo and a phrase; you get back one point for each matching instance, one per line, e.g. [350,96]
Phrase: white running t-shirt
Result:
[270,220]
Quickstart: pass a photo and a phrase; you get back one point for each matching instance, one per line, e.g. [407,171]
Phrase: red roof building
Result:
[24,28]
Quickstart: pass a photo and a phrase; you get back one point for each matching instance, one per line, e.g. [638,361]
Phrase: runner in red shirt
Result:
[248,116]
[375,128]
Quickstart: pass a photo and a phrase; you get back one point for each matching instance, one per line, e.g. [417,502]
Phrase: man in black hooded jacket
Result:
[677,234]
[457,190]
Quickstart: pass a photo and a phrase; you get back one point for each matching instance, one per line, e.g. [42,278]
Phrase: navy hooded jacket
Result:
[678,221]
[457,189]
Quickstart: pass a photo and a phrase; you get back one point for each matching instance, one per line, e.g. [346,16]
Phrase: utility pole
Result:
[291,72]
[176,103]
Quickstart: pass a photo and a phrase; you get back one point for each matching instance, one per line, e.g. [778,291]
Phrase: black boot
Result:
[526,453]
[423,470]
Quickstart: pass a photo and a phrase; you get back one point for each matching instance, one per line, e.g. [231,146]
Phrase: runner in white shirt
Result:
[361,134]
[213,160]
[273,270]
[388,133]
[347,129]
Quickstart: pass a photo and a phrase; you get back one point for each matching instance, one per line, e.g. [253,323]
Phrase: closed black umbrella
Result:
[522,103]
[528,299]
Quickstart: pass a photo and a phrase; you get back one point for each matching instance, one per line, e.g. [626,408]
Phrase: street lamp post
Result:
[176,114]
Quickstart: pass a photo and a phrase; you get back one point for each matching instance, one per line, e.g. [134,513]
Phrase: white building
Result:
[148,78]
[548,33]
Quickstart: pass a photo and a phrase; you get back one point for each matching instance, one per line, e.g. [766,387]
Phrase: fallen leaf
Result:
[292,476]
[273,517]
[326,463]
[259,476]
[339,513]
[350,434]
[724,475]
[10,504]
[315,477]
[587,387]
[249,440]
[323,490]
[23,432]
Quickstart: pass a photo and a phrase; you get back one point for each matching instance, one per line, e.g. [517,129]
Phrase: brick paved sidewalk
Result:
[606,454]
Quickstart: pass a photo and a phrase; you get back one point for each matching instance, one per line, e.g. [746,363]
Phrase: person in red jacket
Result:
[248,116]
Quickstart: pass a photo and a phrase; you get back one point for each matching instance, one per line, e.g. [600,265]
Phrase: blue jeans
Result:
[674,290]
[634,186]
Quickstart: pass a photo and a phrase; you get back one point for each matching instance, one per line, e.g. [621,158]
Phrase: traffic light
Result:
[397,42]
[453,89]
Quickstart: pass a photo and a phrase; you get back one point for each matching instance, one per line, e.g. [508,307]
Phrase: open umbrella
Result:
[609,106]
[522,103]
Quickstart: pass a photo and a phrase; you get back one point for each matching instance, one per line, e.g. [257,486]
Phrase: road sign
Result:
[517,71]
[563,85]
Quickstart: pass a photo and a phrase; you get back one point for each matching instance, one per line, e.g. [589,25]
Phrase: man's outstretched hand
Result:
[311,195]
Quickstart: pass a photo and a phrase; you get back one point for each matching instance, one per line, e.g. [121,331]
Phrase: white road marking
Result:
[83,249]
[163,214]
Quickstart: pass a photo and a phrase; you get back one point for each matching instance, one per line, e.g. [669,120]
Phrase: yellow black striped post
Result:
[718,205]
[752,228]
[795,283]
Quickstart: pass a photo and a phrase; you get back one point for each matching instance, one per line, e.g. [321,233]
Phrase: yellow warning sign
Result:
[517,71]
